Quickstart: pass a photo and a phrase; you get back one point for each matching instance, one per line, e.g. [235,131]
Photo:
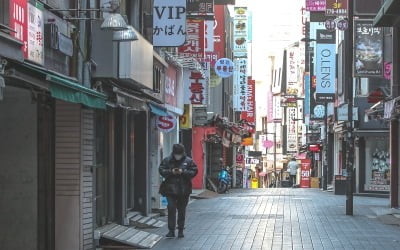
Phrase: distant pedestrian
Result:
[292,168]
[178,170]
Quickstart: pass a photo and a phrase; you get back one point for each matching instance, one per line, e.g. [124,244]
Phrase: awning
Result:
[157,110]
[388,15]
[69,90]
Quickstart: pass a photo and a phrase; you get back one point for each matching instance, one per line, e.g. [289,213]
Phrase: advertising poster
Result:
[305,173]
[325,66]
[169,28]
[195,44]
[368,49]
[240,32]
[240,84]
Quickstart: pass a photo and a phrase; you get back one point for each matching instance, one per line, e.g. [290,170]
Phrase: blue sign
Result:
[325,66]
[307,94]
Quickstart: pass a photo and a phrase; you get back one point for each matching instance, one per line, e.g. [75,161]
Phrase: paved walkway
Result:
[283,219]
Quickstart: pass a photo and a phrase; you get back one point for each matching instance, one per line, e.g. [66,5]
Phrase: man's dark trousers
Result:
[177,203]
[293,180]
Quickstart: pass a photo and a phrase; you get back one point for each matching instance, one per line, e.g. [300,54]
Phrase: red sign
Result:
[219,36]
[305,173]
[19,22]
[170,86]
[195,44]
[166,123]
[239,158]
[314,148]
[249,115]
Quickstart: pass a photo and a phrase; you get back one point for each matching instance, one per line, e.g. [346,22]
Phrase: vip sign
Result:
[169,23]
[166,123]
[325,66]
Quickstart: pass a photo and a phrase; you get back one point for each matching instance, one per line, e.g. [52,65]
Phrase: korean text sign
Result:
[169,23]
[195,44]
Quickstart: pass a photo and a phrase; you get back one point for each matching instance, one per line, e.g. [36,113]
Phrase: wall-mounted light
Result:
[125,35]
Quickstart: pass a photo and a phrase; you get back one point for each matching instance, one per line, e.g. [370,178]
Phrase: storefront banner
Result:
[291,139]
[194,45]
[19,22]
[368,49]
[166,123]
[195,88]
[315,5]
[209,36]
[169,23]
[240,31]
[203,8]
[292,63]
[35,34]
[218,50]
[240,85]
[325,66]
[185,120]
[249,114]
[336,7]
[305,173]
[171,90]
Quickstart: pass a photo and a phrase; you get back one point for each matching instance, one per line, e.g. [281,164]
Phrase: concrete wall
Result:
[18,171]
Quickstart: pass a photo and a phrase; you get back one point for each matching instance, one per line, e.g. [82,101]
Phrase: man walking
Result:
[292,168]
[178,170]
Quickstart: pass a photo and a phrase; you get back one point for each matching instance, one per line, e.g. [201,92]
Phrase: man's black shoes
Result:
[180,234]
[170,234]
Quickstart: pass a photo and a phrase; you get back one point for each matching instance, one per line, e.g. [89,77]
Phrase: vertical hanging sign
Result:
[291,140]
[194,45]
[35,34]
[325,66]
[240,84]
[292,62]
[240,30]
[19,22]
[169,23]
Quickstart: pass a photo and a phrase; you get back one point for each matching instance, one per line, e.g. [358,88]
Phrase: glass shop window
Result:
[377,164]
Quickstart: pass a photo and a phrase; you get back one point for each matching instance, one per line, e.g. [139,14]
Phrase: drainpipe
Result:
[394,126]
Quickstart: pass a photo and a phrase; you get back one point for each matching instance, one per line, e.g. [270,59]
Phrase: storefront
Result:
[373,163]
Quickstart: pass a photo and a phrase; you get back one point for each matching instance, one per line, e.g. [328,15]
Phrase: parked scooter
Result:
[224,181]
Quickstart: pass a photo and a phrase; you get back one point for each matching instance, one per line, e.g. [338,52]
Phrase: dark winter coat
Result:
[180,184]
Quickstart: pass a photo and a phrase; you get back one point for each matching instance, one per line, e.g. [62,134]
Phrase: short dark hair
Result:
[178,149]
[293,159]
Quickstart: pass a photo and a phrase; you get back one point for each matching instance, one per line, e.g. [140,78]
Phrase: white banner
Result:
[291,139]
[240,30]
[35,35]
[209,36]
[240,84]
[292,64]
[169,23]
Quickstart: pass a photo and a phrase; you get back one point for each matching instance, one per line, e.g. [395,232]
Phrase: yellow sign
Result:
[185,120]
[247,141]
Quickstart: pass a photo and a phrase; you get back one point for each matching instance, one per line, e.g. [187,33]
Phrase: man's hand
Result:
[177,171]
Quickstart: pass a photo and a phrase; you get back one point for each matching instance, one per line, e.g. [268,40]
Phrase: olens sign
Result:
[166,123]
